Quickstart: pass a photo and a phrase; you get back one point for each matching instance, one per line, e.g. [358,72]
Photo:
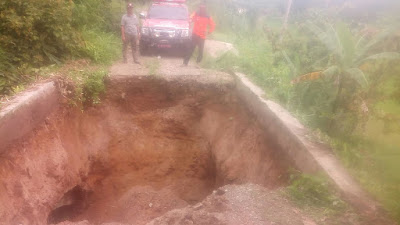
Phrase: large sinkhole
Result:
[151,146]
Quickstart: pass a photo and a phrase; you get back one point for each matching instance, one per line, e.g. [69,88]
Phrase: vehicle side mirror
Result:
[143,15]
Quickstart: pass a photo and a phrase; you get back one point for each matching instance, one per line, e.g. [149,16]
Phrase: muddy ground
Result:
[231,204]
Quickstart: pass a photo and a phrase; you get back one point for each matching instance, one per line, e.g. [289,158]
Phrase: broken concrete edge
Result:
[28,109]
[216,49]
[308,155]
[32,107]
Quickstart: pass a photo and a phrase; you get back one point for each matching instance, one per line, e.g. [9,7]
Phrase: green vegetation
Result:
[315,195]
[315,192]
[37,33]
[100,46]
[335,69]
[89,85]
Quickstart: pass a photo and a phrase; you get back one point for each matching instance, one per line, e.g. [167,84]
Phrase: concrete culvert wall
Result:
[153,145]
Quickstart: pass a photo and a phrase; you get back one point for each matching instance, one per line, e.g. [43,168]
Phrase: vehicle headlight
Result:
[185,33]
[145,30]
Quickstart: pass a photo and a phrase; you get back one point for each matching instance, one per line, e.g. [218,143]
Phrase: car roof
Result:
[174,1]
[170,4]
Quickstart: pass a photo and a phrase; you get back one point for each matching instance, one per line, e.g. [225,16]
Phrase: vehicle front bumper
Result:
[164,39]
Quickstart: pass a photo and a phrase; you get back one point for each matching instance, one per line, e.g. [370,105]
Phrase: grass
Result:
[371,155]
[314,194]
[97,34]
[256,59]
[101,47]
[375,165]
[81,81]
[313,190]
[88,85]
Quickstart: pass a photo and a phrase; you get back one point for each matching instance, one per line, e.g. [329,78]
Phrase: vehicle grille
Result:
[164,33]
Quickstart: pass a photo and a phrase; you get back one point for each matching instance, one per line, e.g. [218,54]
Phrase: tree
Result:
[347,53]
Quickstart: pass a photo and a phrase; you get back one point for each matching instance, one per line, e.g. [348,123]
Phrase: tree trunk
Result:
[335,106]
[338,99]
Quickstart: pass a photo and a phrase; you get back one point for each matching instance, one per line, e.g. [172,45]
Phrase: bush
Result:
[313,191]
[92,14]
[88,85]
[363,124]
[37,31]
[7,78]
[33,33]
[93,86]
[100,46]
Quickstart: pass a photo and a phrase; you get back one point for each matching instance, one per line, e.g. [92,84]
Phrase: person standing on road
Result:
[130,33]
[203,25]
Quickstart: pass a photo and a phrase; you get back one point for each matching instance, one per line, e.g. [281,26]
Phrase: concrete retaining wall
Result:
[26,111]
[309,155]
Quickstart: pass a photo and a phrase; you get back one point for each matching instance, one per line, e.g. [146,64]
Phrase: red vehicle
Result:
[165,25]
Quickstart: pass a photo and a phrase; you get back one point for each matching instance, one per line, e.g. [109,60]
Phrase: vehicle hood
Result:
[176,24]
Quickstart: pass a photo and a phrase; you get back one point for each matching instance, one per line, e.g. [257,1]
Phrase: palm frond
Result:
[357,75]
[290,62]
[347,44]
[338,47]
[327,36]
[331,71]
[361,41]
[383,55]
[362,50]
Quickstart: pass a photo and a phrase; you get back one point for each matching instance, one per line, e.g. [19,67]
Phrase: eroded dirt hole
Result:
[155,161]
[151,146]
[137,185]
[70,205]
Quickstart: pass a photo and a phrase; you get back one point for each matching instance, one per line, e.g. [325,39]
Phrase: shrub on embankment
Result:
[356,108]
[36,33]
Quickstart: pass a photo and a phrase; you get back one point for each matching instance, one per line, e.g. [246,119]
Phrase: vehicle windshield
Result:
[168,12]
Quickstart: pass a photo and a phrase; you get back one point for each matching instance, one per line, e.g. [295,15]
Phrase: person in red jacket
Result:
[203,25]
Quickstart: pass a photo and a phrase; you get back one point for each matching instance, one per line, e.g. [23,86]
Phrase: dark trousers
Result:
[196,41]
[130,40]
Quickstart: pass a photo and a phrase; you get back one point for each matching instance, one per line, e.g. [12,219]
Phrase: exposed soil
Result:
[234,205]
[237,205]
[152,146]
[176,147]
